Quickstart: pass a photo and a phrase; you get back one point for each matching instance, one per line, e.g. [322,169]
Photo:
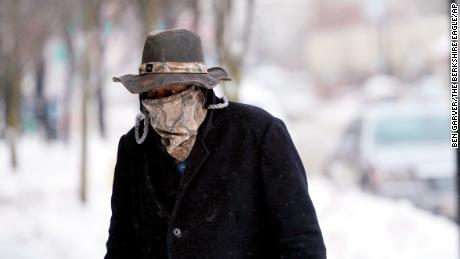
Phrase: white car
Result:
[402,151]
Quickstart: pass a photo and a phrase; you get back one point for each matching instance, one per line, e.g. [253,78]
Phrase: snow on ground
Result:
[357,225]
[41,217]
[40,214]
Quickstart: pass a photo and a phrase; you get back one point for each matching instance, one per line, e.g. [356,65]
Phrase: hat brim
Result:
[147,82]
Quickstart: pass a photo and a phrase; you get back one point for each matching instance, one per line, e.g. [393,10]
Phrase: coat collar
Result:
[197,157]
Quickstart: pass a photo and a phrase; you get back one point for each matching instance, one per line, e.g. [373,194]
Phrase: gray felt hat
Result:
[172,56]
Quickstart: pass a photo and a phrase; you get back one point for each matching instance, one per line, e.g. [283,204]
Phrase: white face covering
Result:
[176,119]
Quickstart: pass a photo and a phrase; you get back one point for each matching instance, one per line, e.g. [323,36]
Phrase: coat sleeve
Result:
[290,211]
[120,240]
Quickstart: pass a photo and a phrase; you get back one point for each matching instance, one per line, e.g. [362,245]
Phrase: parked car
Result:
[400,151]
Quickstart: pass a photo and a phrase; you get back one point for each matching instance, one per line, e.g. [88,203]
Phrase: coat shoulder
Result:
[245,118]
[128,138]
[248,112]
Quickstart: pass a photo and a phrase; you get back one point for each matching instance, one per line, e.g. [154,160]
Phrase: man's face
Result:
[164,91]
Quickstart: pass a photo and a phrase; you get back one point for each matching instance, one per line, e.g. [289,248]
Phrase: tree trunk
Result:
[196,15]
[232,61]
[148,11]
[84,128]
[68,82]
[91,12]
[13,98]
[99,72]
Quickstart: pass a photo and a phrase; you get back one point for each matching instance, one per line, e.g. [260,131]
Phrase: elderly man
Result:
[202,177]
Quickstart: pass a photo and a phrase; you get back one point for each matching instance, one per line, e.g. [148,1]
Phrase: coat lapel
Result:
[198,156]
[150,153]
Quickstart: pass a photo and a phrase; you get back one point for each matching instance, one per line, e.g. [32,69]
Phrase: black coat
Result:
[243,194]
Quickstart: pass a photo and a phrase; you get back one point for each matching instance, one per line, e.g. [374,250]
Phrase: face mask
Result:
[176,119]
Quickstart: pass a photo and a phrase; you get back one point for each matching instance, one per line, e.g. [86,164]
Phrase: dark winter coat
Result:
[243,194]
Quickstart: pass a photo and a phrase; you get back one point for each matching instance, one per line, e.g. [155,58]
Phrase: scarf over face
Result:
[176,119]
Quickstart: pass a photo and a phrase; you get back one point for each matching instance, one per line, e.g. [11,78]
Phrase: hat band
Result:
[173,67]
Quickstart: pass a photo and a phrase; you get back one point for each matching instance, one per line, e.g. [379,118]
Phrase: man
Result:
[201,177]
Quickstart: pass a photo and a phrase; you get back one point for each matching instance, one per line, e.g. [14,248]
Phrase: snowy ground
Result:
[357,225]
[40,214]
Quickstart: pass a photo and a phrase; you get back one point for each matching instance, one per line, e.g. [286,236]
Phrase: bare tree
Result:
[148,11]
[66,31]
[90,11]
[195,6]
[11,70]
[228,55]
[24,26]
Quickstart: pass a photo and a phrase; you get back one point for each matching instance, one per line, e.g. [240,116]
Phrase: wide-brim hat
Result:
[172,56]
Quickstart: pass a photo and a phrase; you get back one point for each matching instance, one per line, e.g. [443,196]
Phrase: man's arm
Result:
[291,213]
[120,241]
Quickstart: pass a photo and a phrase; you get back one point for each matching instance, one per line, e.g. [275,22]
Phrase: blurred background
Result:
[363,87]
